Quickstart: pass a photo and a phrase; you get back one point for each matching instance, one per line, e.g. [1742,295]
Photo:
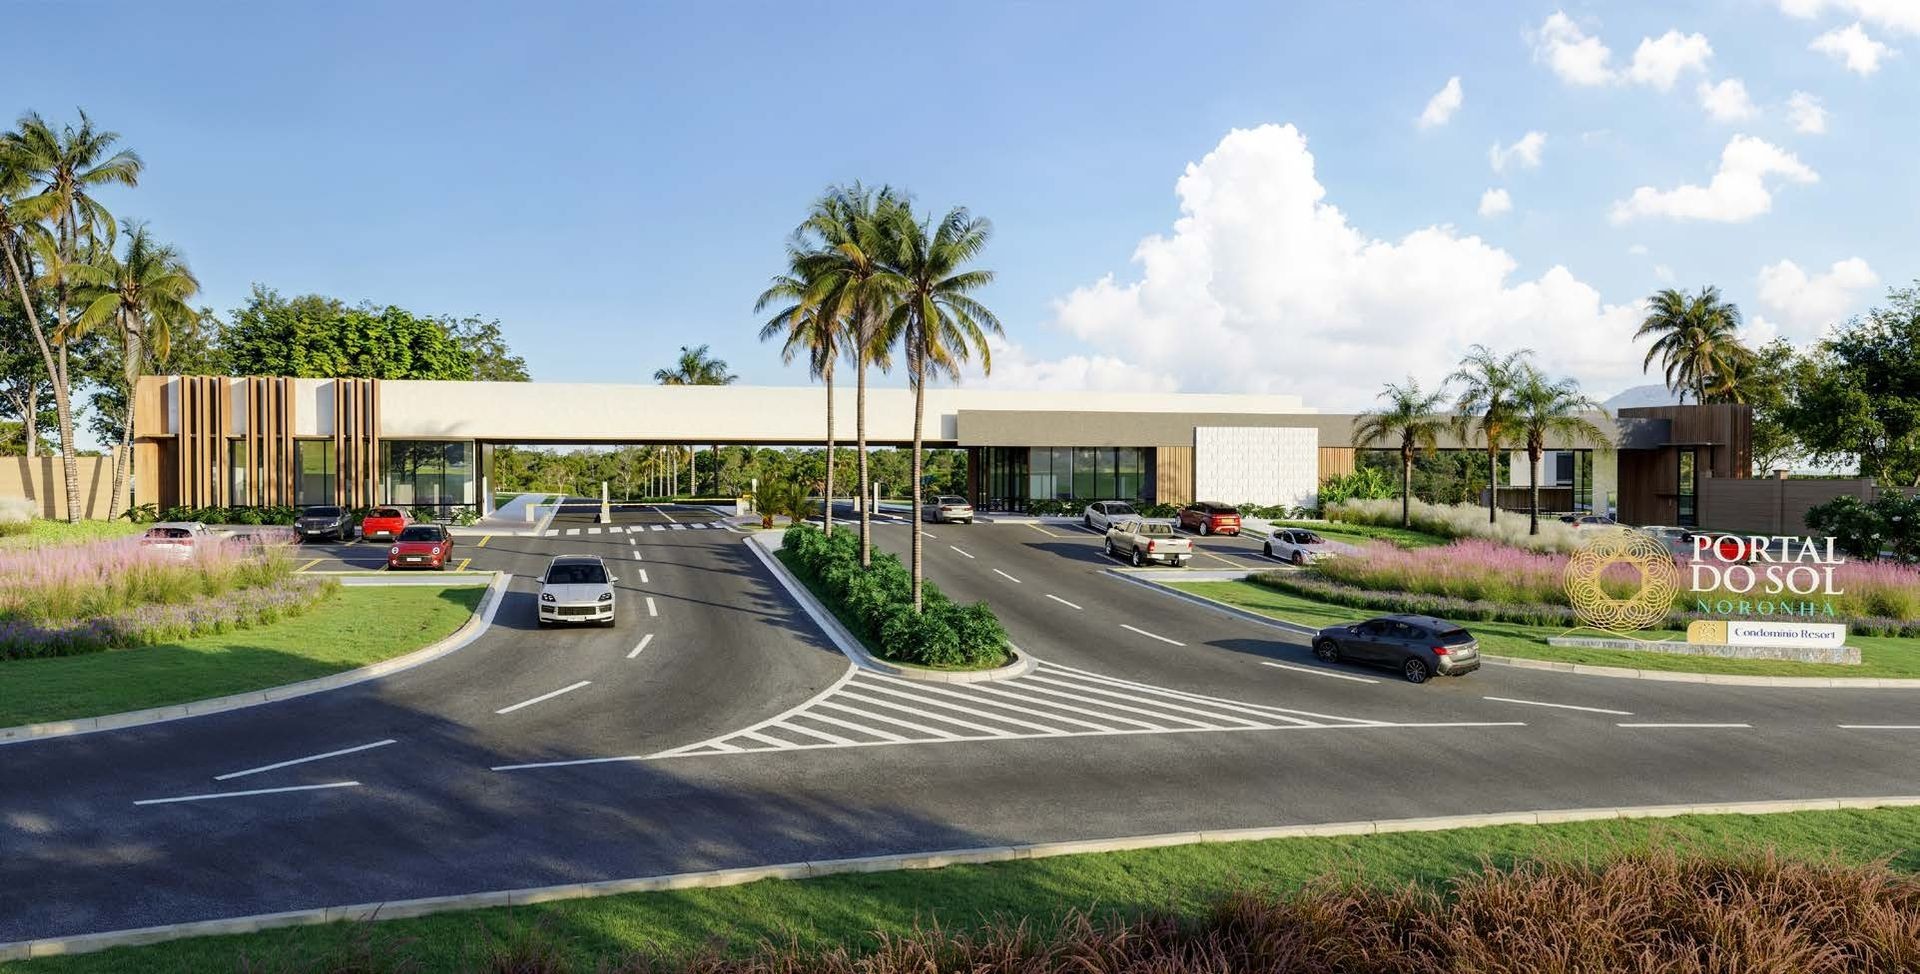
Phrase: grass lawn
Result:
[41,533]
[850,909]
[356,626]
[1358,533]
[1880,656]
[854,627]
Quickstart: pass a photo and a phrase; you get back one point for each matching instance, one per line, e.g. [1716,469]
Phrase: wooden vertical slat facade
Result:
[356,442]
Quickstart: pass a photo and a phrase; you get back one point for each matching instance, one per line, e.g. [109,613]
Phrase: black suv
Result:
[1418,646]
[317,523]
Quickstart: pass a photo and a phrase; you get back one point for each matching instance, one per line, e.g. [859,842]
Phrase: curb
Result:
[396,909]
[850,646]
[475,625]
[1578,669]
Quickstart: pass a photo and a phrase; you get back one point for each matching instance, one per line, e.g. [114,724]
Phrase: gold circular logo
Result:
[1594,606]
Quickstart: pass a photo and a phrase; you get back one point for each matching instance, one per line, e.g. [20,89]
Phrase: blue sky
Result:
[614,180]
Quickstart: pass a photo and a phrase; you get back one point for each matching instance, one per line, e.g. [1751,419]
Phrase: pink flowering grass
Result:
[73,583]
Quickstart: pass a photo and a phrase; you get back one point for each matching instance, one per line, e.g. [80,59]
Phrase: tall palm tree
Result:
[1546,409]
[697,367]
[1412,417]
[940,321]
[17,275]
[142,296]
[1484,407]
[1696,339]
[63,167]
[809,326]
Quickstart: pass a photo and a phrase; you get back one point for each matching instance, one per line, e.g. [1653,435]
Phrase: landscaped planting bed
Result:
[1460,521]
[877,604]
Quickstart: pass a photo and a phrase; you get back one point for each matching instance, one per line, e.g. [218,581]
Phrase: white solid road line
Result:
[1707,726]
[314,757]
[644,640]
[669,517]
[1149,635]
[1006,576]
[1062,601]
[959,550]
[1878,726]
[1318,672]
[1560,706]
[243,794]
[652,610]
[929,534]
[544,696]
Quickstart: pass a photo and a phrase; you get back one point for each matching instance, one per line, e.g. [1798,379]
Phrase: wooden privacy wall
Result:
[356,441]
[200,451]
[200,458]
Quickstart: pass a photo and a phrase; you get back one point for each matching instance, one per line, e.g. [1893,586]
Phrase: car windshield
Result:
[1119,510]
[420,533]
[322,512]
[1308,537]
[576,575]
[167,532]
[387,512]
[1155,528]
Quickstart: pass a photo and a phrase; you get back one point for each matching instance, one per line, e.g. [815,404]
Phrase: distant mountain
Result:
[1648,395]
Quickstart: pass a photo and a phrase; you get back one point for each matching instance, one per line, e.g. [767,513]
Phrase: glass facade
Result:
[313,472]
[1013,477]
[426,472]
[237,471]
[1687,514]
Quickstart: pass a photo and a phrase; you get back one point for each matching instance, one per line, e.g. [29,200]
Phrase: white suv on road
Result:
[577,588]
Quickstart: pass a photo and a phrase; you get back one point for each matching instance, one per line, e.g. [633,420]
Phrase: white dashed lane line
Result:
[643,577]
[1150,635]
[544,697]
[1062,601]
[961,551]
[1560,706]
[1006,576]
[1685,726]
[244,794]
[1878,726]
[652,610]
[1319,672]
[311,757]
[644,640]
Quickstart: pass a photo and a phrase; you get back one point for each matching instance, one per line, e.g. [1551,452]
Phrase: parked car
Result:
[421,546]
[1582,522]
[1140,541]
[1302,547]
[1209,517]
[577,588]
[1417,646]
[947,509]
[1100,515]
[1678,540]
[325,521]
[384,523]
[177,538]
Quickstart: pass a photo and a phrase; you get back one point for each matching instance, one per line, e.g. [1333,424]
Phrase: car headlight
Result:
[546,597]
[606,596]
[436,551]
[393,550]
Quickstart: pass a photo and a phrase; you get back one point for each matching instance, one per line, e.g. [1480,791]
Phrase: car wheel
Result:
[1326,650]
[1300,559]
[1136,558]
[1086,519]
[1416,670]
[1204,529]
[1268,549]
[1110,552]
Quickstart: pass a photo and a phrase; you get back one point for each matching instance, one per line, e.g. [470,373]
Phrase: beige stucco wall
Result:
[40,482]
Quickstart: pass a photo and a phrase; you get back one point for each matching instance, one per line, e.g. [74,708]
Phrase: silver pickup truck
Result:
[1141,541]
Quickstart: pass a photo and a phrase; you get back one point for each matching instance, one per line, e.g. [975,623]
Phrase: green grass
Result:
[1880,656]
[1361,533]
[853,626]
[851,909]
[42,533]
[356,626]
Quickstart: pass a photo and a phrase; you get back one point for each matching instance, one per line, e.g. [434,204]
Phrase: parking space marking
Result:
[244,794]
[1062,601]
[311,757]
[960,551]
[652,610]
[310,564]
[644,640]
[544,697]
[483,540]
[669,517]
[1006,576]
[1150,635]
[1317,672]
[1689,726]
[1560,706]
[464,562]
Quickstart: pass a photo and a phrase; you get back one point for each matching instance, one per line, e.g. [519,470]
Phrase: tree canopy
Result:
[314,336]
[1858,399]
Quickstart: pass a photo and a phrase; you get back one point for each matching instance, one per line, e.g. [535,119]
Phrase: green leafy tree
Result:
[1696,339]
[488,356]
[1858,398]
[1766,383]
[1414,419]
[1484,407]
[1551,409]
[319,337]
[26,395]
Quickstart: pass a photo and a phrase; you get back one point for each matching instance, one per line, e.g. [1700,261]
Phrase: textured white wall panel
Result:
[1260,465]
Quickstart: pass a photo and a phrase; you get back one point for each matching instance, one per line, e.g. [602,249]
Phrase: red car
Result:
[383,523]
[421,546]
[1208,517]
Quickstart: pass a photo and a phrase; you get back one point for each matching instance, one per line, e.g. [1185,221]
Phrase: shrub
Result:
[1888,523]
[877,603]
[1460,521]
[1363,483]
[156,622]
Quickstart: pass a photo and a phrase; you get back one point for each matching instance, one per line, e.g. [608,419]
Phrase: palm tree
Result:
[807,325]
[1484,407]
[1546,409]
[696,367]
[64,166]
[1412,417]
[1696,339]
[937,316]
[143,295]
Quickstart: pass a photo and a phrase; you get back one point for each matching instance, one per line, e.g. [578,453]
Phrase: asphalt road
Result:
[736,736]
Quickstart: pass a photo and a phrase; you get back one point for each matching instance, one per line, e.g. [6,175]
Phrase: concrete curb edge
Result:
[469,631]
[765,543]
[396,909]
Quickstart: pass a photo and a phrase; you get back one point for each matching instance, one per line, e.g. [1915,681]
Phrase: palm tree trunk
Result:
[1406,486]
[866,489]
[826,513]
[919,411]
[1533,490]
[63,394]
[1493,480]
[131,354]
[56,378]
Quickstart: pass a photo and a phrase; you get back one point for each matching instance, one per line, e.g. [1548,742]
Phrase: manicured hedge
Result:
[878,603]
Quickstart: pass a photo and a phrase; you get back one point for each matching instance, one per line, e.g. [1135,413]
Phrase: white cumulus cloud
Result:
[1896,15]
[1259,262]
[1443,104]
[1727,101]
[1738,192]
[1525,152]
[1494,202]
[1851,46]
[1015,368]
[1659,62]
[1579,58]
[1806,303]
[1808,115]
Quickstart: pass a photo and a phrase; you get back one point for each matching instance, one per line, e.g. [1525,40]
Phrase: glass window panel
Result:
[313,470]
[1103,483]
[1062,473]
[236,472]
[458,483]
[1085,466]
[1127,472]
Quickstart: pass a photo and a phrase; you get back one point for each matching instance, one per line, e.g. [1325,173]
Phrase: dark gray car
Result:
[326,521]
[1417,646]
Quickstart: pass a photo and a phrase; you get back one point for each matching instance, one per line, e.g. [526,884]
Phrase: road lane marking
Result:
[659,527]
[643,577]
[669,517]
[464,562]
[1006,576]
[1560,706]
[1318,672]
[483,540]
[310,564]
[929,534]
[313,757]
[633,540]
[652,610]
[544,696]
[1062,601]
[1703,726]
[678,527]
[644,640]
[244,794]
[959,550]
[1878,726]
[1149,635]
